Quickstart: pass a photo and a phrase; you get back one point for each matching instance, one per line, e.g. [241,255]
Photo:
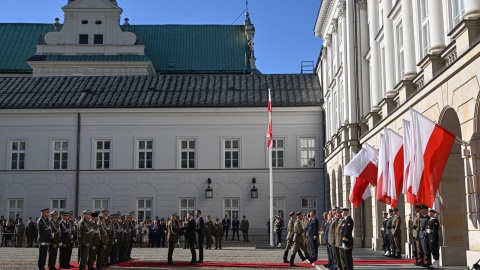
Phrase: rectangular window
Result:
[186,205]
[97,39]
[279,207]
[102,154]
[15,206]
[308,204]
[60,154]
[99,204]
[278,150]
[458,10]
[307,152]
[145,154]
[231,153]
[425,30]
[83,39]
[59,205]
[400,66]
[187,153]
[231,207]
[18,150]
[144,208]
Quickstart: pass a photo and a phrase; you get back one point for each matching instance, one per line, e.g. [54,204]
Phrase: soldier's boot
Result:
[302,257]
[285,255]
[292,259]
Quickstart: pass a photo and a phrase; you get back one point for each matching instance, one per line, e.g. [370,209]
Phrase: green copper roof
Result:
[90,58]
[171,48]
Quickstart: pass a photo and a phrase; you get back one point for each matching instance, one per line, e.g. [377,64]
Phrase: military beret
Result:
[118,213]
[46,210]
[95,214]
[299,213]
[65,214]
[53,213]
[291,213]
[433,211]
[105,210]
[86,212]
[345,209]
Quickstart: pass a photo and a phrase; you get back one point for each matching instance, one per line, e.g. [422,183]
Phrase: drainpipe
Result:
[77,174]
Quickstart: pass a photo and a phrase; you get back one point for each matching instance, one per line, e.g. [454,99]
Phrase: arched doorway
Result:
[340,188]
[451,200]
[333,189]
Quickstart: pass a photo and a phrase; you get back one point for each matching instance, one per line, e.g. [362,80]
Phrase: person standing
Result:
[209,231]
[95,240]
[19,232]
[102,247]
[388,233]
[163,231]
[341,263]
[226,226]
[397,234]
[245,226]
[53,248]
[277,226]
[44,238]
[417,248]
[235,228]
[312,235]
[383,230]
[84,239]
[423,235]
[173,232]
[330,252]
[347,238]
[331,238]
[30,232]
[298,243]
[289,240]
[73,237]
[8,232]
[200,229]
[218,234]
[432,231]
[65,234]
[190,237]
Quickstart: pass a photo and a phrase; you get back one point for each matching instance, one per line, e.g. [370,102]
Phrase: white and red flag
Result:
[364,165]
[431,146]
[394,144]
[408,159]
[382,175]
[269,129]
[359,191]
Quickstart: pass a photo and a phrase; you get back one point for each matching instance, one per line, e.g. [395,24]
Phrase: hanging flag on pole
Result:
[431,148]
[269,129]
[382,175]
[359,191]
[270,171]
[395,165]
[364,165]
[408,159]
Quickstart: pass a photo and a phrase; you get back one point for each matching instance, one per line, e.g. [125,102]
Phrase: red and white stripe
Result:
[364,165]
[382,175]
[395,165]
[269,129]
[359,191]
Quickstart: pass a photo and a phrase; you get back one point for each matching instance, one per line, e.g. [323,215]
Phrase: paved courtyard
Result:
[233,251]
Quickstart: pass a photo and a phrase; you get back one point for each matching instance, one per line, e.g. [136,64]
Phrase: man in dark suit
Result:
[347,238]
[235,228]
[65,235]
[190,236]
[200,229]
[226,226]
[312,235]
[44,238]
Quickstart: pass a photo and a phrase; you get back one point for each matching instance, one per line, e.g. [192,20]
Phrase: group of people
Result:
[391,234]
[236,226]
[18,231]
[425,236]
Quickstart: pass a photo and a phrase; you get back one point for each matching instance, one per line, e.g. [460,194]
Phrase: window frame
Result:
[16,210]
[61,151]
[19,154]
[80,36]
[399,45]
[138,151]
[238,151]
[102,200]
[277,209]
[456,18]
[183,211]
[230,210]
[95,36]
[95,150]
[144,210]
[308,207]
[310,149]
[424,33]
[59,209]
[276,149]
[180,140]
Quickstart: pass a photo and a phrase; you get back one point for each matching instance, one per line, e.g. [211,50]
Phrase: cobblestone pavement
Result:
[233,251]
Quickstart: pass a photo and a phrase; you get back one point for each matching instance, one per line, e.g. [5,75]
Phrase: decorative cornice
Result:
[334,25]
[323,15]
[342,6]
[328,40]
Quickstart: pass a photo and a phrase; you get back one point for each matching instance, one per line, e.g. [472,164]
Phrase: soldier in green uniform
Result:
[173,232]
[338,240]
[245,226]
[209,232]
[331,238]
[106,215]
[73,237]
[397,235]
[102,247]
[127,232]
[291,224]
[53,248]
[298,242]
[92,257]
[84,239]
[19,232]
[119,234]
[417,248]
[112,239]
[218,233]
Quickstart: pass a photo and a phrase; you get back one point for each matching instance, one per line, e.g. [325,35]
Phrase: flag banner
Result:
[364,165]
[408,159]
[269,129]
[431,146]
[359,191]
[382,174]
[394,144]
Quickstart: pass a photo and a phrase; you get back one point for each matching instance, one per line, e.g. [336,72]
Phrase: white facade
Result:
[421,54]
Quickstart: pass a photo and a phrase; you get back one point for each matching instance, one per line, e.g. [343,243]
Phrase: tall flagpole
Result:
[269,147]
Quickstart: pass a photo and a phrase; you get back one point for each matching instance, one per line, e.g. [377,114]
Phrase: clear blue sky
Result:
[284,28]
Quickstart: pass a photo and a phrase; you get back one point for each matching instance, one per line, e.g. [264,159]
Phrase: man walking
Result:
[290,233]
[173,232]
[226,226]
[312,234]
[298,244]
[235,228]
[190,237]
[245,226]
[200,229]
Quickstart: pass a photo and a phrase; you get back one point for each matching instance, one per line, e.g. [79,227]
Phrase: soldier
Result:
[173,232]
[289,240]
[73,237]
[30,232]
[119,236]
[417,249]
[53,248]
[432,231]
[298,242]
[397,234]
[44,238]
[19,232]
[163,231]
[383,230]
[133,230]
[65,236]
[218,233]
[331,238]
[84,239]
[95,236]
[112,239]
[388,233]
[341,263]
[330,252]
[347,238]
[209,232]
[109,231]
[277,227]
[102,247]
[127,236]
[245,226]
[423,235]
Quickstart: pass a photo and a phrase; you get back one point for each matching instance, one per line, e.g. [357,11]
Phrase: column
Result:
[389,51]
[472,9]
[363,71]
[343,94]
[349,82]
[437,37]
[374,57]
[408,40]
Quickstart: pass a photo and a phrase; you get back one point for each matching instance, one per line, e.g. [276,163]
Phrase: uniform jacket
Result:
[388,231]
[433,227]
[312,227]
[209,228]
[218,230]
[84,233]
[347,230]
[55,232]
[416,226]
[173,231]
[65,232]
[332,230]
[384,226]
[44,230]
[338,232]
[244,225]
[226,223]
[298,232]
[190,229]
[422,234]
[30,229]
[102,228]
[19,229]
[396,223]
[95,233]
[326,233]
[291,224]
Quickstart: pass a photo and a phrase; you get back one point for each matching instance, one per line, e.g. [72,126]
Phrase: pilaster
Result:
[464,34]
[408,40]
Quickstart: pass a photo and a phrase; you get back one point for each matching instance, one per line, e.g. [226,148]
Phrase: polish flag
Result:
[395,165]
[431,147]
[382,175]
[364,165]
[269,129]
[408,159]
[359,191]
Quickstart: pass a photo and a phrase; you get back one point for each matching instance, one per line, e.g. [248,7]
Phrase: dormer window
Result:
[97,39]
[83,39]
